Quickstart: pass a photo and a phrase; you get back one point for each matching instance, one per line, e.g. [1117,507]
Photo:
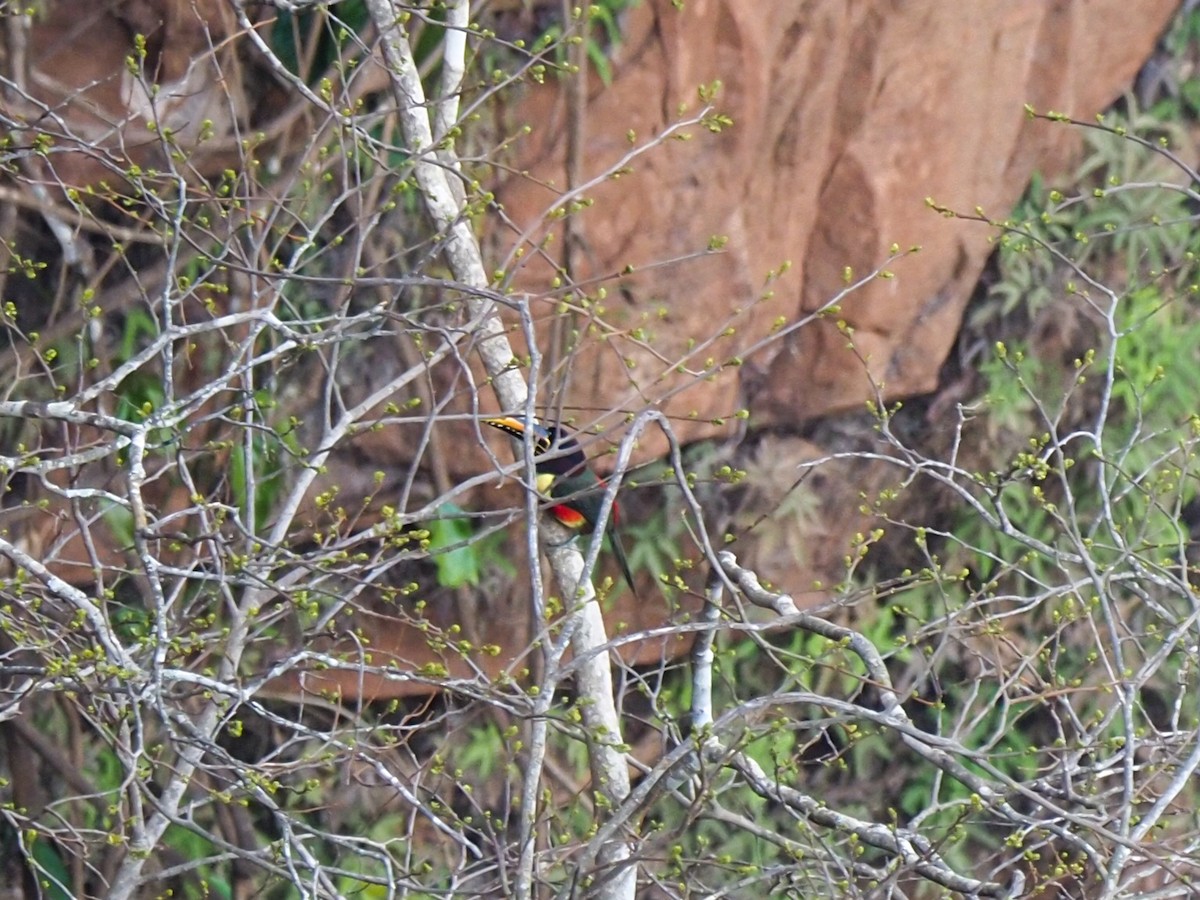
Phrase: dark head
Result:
[566,457]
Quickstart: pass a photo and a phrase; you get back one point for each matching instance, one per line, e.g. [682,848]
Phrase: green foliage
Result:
[483,751]
[1127,207]
[602,35]
[1079,455]
[603,17]
[1135,209]
[264,461]
[652,543]
[1181,97]
[1025,276]
[1062,574]
[1156,362]
[460,554]
[451,548]
[208,882]
[141,392]
[51,872]
[312,41]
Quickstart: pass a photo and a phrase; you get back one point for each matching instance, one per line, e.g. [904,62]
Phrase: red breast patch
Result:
[572,518]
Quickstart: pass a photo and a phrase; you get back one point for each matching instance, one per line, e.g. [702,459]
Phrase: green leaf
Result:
[50,871]
[451,548]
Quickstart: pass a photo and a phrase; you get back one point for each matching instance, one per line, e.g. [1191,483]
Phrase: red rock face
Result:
[72,62]
[847,117]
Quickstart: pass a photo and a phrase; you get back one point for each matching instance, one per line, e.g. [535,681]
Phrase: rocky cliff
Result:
[847,117]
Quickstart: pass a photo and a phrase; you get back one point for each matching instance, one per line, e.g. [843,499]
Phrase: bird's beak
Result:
[515,427]
[518,428]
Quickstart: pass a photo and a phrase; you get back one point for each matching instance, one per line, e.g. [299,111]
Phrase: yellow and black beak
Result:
[517,427]
[543,442]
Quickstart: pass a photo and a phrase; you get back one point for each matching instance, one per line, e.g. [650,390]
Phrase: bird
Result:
[562,473]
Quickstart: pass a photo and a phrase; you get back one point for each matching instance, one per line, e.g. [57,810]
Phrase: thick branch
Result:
[463,254]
